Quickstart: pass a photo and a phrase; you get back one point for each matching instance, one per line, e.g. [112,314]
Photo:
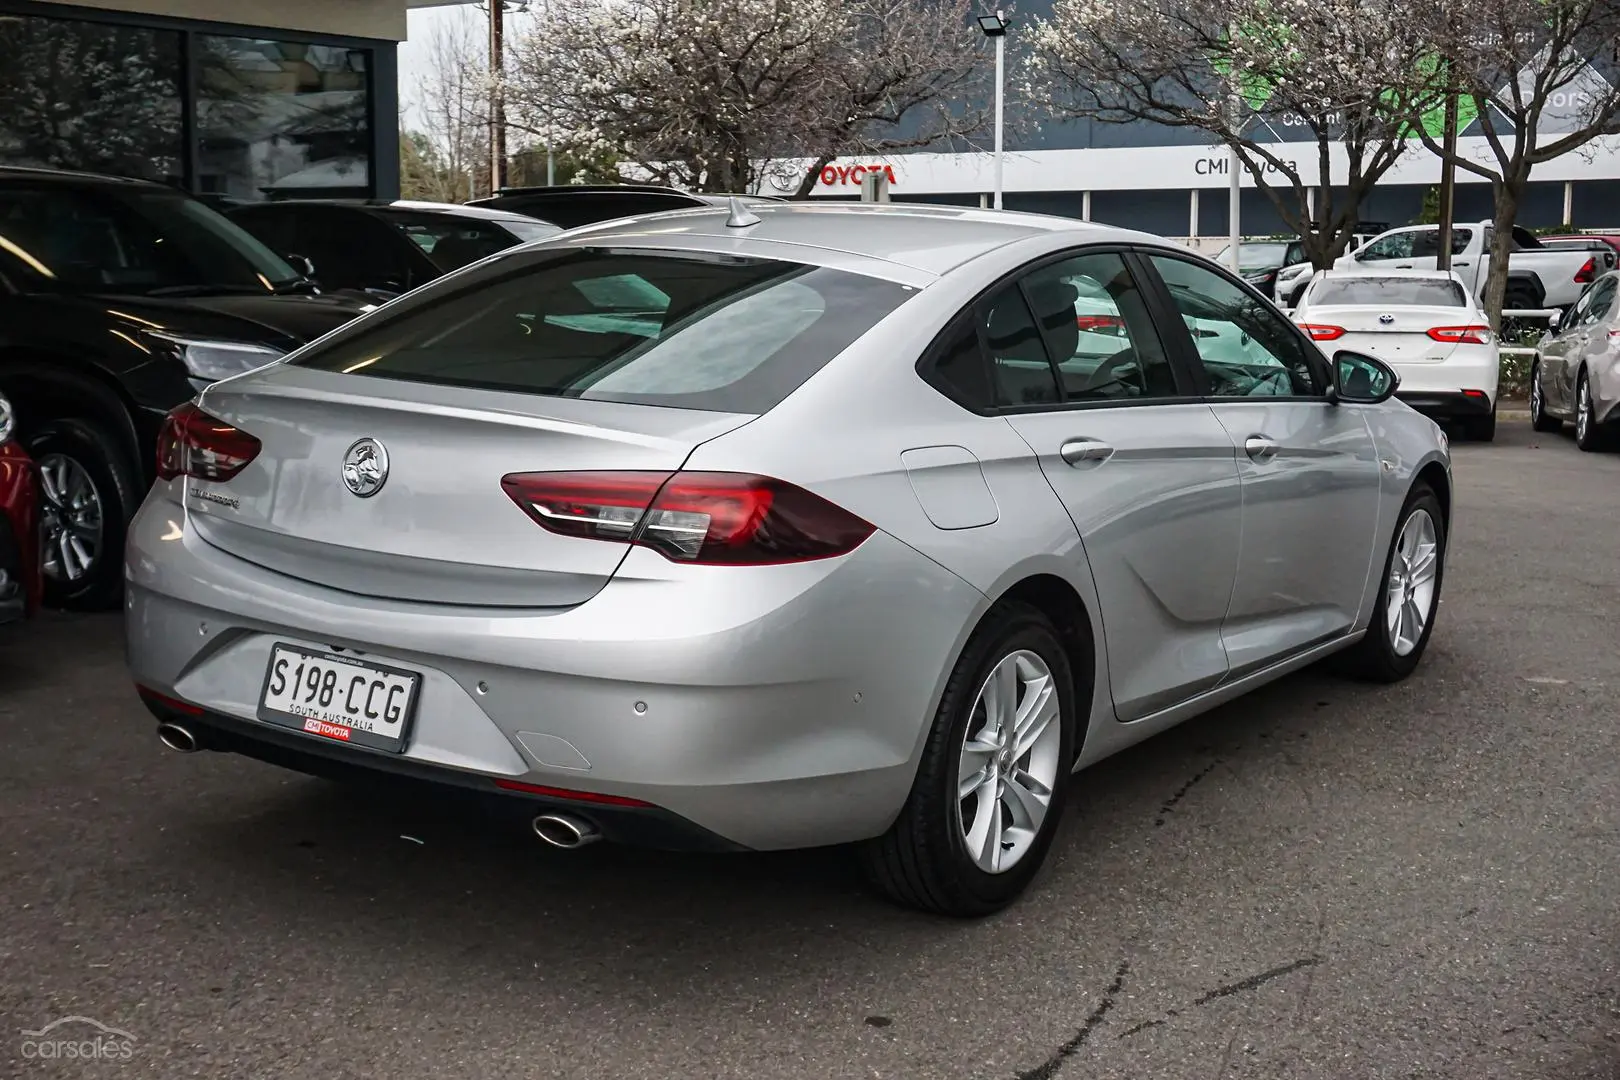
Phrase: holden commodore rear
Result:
[463,543]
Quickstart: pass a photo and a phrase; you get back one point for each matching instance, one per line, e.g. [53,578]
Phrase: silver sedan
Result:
[783,526]
[1576,373]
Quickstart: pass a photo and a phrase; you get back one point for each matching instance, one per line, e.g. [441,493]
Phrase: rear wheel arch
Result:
[1061,603]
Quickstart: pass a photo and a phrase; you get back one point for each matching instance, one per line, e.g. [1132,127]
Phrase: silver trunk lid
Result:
[440,529]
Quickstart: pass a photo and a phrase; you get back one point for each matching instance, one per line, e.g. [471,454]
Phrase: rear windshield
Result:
[1413,292]
[697,331]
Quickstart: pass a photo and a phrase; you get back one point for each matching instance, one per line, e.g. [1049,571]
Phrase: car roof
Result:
[1362,272]
[69,176]
[482,213]
[932,239]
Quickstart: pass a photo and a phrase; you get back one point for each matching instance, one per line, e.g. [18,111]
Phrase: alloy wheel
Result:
[1535,396]
[1412,573]
[1009,765]
[71,519]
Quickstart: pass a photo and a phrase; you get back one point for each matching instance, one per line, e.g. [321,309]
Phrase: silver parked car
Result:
[783,526]
[1576,373]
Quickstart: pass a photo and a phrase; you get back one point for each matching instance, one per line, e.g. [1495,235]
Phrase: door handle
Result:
[1462,264]
[1076,451]
[1403,266]
[1260,447]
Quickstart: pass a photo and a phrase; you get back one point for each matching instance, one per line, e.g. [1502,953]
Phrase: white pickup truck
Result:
[1538,277]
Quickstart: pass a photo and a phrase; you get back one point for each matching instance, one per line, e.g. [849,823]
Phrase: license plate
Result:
[339,698]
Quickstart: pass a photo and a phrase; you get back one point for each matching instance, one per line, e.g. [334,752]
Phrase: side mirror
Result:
[302,264]
[1554,321]
[1359,379]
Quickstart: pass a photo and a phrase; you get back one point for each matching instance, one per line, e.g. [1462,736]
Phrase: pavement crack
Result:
[1139,1028]
[1255,981]
[1049,1068]
[1181,792]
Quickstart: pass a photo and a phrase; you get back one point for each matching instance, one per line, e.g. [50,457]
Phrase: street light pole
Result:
[497,107]
[1001,82]
[995,26]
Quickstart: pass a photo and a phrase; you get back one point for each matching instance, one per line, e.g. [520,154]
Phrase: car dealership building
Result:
[223,97]
[301,98]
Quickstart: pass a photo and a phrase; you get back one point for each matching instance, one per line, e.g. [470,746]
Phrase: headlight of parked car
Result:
[8,419]
[210,360]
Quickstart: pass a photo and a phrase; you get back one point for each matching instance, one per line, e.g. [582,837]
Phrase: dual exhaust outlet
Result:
[563,831]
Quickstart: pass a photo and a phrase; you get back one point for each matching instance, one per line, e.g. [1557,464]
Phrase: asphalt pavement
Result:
[1321,880]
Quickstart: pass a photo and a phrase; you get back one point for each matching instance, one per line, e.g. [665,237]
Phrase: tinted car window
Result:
[1097,324]
[277,226]
[1389,291]
[353,250]
[690,330]
[1247,348]
[134,239]
[1019,366]
[958,367]
[1603,294]
[452,240]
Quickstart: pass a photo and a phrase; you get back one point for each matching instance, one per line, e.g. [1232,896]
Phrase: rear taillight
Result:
[1462,335]
[1319,332]
[732,519]
[1587,271]
[1101,324]
[192,443]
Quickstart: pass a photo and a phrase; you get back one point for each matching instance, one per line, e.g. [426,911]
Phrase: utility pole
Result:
[497,106]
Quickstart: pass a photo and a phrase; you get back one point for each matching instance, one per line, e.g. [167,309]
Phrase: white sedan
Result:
[1426,325]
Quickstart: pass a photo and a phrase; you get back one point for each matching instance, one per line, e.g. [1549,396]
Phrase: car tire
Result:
[89,487]
[924,860]
[1386,655]
[1539,420]
[1589,436]
[1481,428]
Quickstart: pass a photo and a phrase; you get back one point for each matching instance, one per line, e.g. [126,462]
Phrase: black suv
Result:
[385,248]
[574,205]
[119,300]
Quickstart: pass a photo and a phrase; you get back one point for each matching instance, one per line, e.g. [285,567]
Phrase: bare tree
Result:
[706,94]
[451,113]
[1339,78]
[1529,71]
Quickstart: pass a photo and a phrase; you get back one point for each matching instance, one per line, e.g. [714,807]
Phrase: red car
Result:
[20,580]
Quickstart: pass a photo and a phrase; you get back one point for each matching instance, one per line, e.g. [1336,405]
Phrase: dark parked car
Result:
[119,300]
[19,524]
[571,205]
[385,248]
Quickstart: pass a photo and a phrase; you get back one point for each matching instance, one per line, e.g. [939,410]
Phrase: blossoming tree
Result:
[708,94]
[1347,75]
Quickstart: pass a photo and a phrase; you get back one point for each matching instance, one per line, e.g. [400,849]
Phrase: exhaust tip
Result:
[178,738]
[565,831]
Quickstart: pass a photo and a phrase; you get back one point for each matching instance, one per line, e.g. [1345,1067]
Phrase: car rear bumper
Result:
[1447,404]
[773,707]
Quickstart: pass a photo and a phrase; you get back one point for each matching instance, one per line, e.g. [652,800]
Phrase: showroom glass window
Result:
[281,119]
[91,96]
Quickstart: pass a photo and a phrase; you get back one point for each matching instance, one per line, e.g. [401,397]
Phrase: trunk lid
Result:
[440,529]
[1397,334]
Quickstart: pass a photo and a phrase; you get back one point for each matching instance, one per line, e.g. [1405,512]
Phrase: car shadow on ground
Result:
[461,882]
